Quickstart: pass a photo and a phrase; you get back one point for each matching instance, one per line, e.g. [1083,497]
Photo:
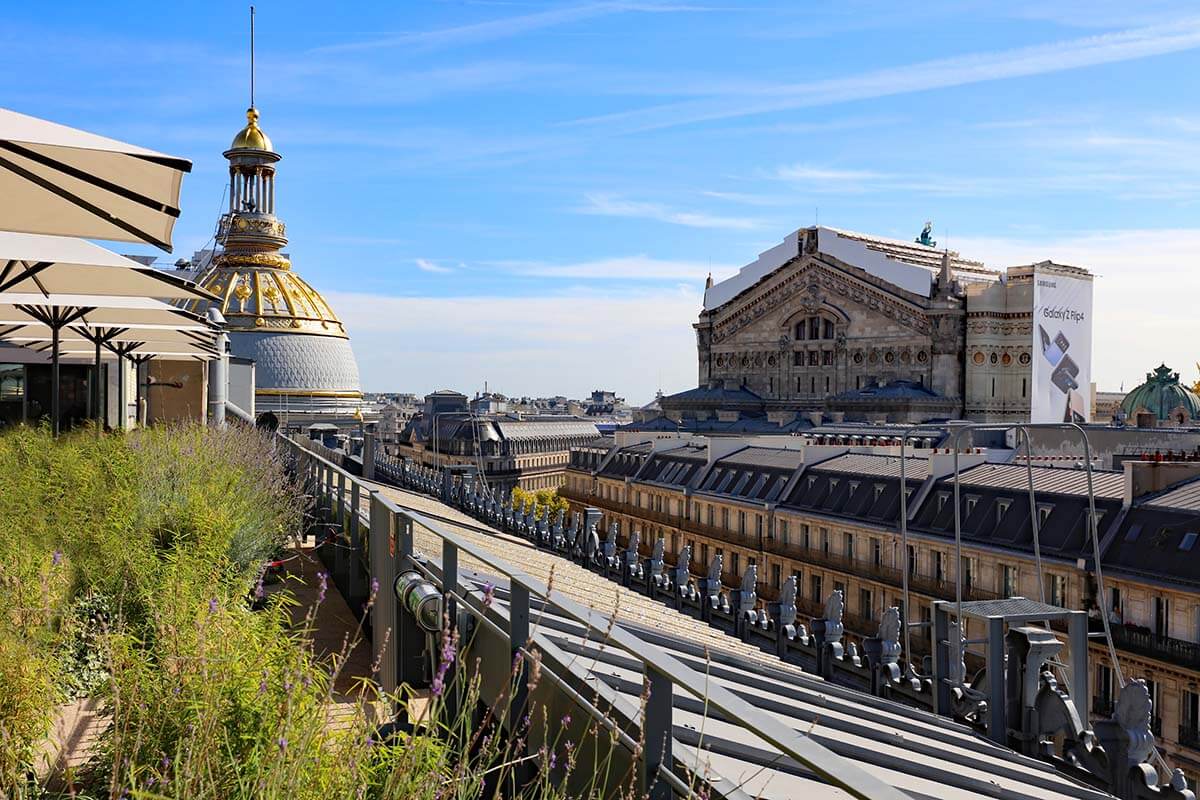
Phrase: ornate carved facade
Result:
[833,321]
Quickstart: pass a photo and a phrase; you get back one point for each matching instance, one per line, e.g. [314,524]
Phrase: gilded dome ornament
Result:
[243,291]
[251,137]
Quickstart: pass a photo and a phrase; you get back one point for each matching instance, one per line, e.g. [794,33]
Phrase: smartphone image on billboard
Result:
[1051,348]
[1064,375]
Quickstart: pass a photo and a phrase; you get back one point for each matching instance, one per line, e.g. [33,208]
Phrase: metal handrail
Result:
[662,669]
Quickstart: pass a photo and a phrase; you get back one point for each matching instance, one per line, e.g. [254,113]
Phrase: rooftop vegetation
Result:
[131,572]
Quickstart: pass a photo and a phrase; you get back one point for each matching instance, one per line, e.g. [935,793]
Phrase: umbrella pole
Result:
[96,389]
[120,391]
[54,386]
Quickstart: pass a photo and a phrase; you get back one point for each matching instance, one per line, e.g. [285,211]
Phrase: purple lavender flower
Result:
[322,587]
[448,649]
[262,685]
[553,759]
[489,595]
[566,720]
[56,559]
[282,743]
[437,685]
[166,762]
[374,588]
[212,606]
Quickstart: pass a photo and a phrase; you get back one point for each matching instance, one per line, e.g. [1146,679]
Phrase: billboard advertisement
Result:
[1062,348]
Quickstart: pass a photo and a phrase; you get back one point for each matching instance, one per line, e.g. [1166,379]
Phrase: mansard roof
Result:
[893,390]
[715,395]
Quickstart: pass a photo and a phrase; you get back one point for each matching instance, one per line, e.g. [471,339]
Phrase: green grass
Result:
[127,567]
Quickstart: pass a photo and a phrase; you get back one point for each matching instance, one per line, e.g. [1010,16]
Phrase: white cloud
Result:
[637,267]
[611,205]
[1179,35]
[544,344]
[504,27]
[425,265]
[1145,294]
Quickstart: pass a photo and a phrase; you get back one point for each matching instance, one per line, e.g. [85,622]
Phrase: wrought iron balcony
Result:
[931,586]
[1145,642]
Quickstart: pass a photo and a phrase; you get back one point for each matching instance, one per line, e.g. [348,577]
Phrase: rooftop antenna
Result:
[252,56]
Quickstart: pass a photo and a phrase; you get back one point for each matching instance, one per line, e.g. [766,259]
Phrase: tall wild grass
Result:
[131,572]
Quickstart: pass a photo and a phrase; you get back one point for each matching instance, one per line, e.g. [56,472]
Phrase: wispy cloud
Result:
[425,265]
[1180,35]
[636,268]
[504,27]
[611,205]
[1125,179]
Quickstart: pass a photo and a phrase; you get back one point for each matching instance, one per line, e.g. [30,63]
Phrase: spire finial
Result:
[252,56]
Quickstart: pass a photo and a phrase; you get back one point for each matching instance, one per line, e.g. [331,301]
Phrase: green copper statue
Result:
[926,237]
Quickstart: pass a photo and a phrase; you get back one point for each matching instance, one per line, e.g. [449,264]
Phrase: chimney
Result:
[1147,477]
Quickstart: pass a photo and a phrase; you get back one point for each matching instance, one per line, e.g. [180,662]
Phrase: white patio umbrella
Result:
[64,265]
[74,278]
[123,324]
[64,181]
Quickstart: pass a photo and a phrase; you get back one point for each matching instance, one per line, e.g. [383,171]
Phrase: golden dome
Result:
[257,296]
[251,137]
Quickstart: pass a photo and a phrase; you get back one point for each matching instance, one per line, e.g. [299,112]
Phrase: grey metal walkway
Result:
[708,707]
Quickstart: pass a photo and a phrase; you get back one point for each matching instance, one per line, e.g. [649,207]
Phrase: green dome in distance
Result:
[1161,394]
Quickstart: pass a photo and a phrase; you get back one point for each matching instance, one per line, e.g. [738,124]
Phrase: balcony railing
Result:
[1145,642]
[928,585]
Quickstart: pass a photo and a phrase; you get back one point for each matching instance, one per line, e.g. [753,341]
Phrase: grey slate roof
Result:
[766,457]
[545,429]
[1185,497]
[876,466]
[1047,480]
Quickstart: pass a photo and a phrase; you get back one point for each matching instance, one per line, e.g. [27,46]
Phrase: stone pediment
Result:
[809,284]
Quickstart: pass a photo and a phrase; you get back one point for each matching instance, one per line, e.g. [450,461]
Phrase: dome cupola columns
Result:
[251,223]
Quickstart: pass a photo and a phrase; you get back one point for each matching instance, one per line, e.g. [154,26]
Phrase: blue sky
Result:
[532,193]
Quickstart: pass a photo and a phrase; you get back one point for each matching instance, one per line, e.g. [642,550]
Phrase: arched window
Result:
[814,328]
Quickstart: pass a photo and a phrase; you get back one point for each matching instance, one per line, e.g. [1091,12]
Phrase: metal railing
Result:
[391,550]
[942,588]
[1145,642]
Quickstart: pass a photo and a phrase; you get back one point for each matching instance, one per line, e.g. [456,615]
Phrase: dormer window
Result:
[1043,513]
[1002,507]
